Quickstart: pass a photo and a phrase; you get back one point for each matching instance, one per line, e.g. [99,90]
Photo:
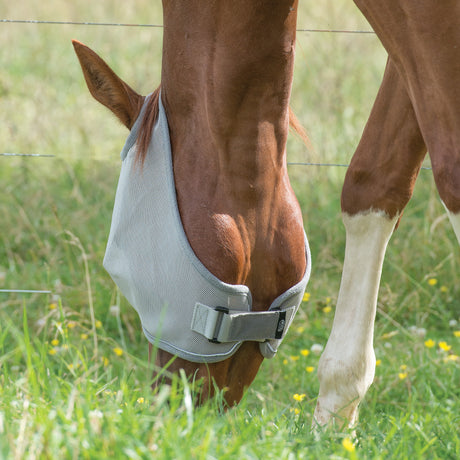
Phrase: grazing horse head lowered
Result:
[220,119]
[225,88]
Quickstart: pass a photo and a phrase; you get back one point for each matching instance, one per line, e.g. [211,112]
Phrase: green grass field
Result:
[74,376]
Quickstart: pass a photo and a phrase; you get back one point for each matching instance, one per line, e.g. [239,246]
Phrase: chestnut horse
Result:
[226,80]
[225,86]
[417,109]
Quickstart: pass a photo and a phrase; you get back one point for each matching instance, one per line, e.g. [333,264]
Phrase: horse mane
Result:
[146,127]
[151,116]
[297,127]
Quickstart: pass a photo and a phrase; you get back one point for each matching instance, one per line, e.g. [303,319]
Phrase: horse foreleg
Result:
[346,368]
[377,187]
[455,221]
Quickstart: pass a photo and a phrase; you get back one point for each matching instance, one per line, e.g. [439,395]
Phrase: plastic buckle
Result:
[222,310]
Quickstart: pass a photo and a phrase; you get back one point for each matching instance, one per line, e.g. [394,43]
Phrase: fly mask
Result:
[184,309]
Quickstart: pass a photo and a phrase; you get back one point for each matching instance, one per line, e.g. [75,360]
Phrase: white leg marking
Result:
[455,221]
[346,368]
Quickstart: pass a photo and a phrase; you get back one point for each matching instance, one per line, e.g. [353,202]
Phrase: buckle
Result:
[223,311]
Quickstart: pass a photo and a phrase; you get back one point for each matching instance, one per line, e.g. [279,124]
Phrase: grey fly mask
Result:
[183,308]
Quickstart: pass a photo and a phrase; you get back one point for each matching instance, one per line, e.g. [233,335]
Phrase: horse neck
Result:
[226,82]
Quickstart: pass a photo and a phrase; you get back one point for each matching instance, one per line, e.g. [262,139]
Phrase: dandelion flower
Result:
[296,410]
[432,282]
[306,297]
[444,346]
[300,329]
[53,351]
[105,361]
[378,362]
[71,324]
[98,324]
[52,306]
[457,333]
[299,397]
[285,361]
[140,400]
[55,342]
[444,289]
[403,367]
[430,343]
[309,369]
[348,445]
[402,375]
[83,336]
[118,351]
[305,352]
[327,309]
[294,358]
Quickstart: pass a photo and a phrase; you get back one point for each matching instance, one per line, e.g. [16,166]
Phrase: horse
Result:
[226,79]
[417,109]
[227,70]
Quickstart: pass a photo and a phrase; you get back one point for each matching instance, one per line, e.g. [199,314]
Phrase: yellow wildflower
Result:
[457,333]
[294,358]
[98,324]
[430,343]
[306,297]
[299,397]
[378,362]
[118,351]
[403,367]
[327,309]
[55,342]
[83,336]
[53,351]
[305,352]
[402,375]
[300,329]
[444,289]
[348,445]
[105,361]
[309,369]
[444,346]
[52,306]
[296,410]
[140,400]
[432,282]
[451,358]
[71,324]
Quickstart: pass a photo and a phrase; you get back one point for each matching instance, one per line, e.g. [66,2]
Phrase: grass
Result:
[74,376]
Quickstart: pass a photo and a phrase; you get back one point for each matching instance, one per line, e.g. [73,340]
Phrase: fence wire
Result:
[159,26]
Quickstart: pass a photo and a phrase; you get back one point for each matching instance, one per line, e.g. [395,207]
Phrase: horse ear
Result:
[106,87]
